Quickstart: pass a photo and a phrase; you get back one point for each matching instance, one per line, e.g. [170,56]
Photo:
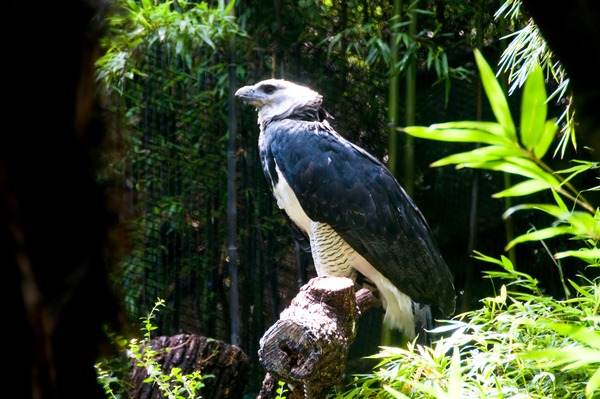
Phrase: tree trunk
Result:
[308,346]
[224,367]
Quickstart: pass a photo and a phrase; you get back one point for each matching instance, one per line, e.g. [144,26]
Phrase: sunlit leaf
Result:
[496,96]
[581,254]
[230,6]
[558,212]
[527,169]
[543,144]
[455,135]
[593,384]
[539,235]
[454,385]
[524,188]
[579,333]
[507,264]
[566,356]
[573,358]
[487,153]
[533,109]
[487,127]
[486,258]
[559,201]
[582,223]
[581,167]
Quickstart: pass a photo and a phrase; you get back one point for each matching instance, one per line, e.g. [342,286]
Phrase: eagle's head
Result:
[276,99]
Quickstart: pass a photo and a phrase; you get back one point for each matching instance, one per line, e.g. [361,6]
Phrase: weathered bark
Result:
[308,346]
[227,365]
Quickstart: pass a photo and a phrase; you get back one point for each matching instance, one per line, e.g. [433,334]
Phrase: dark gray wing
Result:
[342,185]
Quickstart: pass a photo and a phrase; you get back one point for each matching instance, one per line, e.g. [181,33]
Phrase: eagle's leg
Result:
[332,256]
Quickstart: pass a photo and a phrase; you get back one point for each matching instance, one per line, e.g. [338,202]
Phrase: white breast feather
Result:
[286,200]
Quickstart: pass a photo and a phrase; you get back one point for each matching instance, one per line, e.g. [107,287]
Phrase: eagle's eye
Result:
[268,89]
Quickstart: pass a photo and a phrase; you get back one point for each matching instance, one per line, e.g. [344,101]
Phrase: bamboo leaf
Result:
[517,168]
[593,384]
[524,188]
[455,135]
[582,167]
[454,383]
[581,254]
[553,210]
[489,127]
[507,264]
[543,144]
[539,235]
[559,201]
[581,223]
[487,153]
[486,258]
[496,97]
[229,7]
[533,109]
[579,333]
[562,356]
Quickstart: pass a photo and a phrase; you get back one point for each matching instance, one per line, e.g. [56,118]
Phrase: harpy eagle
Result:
[345,206]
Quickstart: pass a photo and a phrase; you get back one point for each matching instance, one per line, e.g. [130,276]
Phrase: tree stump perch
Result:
[308,346]
[228,365]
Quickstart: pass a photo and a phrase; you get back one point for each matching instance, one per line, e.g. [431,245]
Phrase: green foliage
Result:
[521,343]
[526,52]
[500,350]
[165,77]
[369,45]
[281,390]
[182,28]
[522,156]
[113,373]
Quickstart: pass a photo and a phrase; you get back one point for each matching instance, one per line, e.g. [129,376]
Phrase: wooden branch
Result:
[308,346]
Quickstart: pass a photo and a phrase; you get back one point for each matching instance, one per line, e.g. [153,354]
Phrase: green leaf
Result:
[487,153]
[455,135]
[578,333]
[593,384]
[496,97]
[504,263]
[489,127]
[556,211]
[507,264]
[559,201]
[229,7]
[524,188]
[543,144]
[583,253]
[533,109]
[566,356]
[581,167]
[516,166]
[539,235]
[454,383]
[581,223]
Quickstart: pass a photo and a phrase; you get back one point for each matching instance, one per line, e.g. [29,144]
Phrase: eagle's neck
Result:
[307,113]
